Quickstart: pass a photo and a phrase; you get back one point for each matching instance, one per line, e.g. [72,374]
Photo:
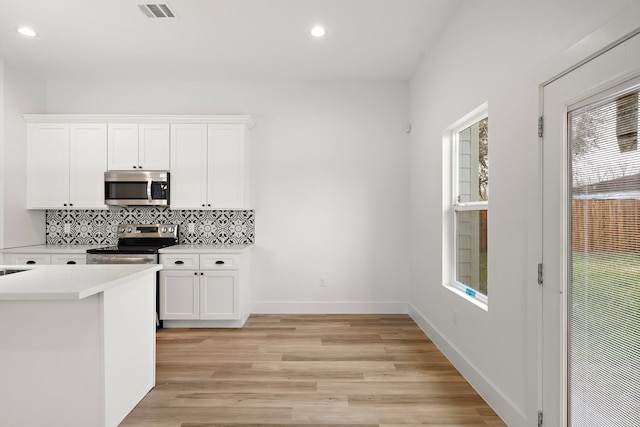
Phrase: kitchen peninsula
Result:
[77,343]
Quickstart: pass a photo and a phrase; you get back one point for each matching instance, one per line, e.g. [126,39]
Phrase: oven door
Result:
[112,258]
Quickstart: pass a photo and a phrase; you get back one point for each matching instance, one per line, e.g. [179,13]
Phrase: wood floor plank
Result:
[308,370]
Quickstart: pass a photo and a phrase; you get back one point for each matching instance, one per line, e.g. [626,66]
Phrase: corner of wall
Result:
[2,153]
[22,92]
[504,407]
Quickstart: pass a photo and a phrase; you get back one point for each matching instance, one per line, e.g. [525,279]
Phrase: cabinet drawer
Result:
[219,262]
[180,261]
[68,259]
[18,259]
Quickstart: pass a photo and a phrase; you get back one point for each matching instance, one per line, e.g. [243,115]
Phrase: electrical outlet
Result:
[192,227]
[67,228]
[323,282]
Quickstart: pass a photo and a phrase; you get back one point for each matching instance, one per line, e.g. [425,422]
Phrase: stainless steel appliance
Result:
[137,244]
[136,188]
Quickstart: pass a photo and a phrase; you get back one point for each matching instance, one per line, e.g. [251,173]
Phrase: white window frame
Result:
[451,207]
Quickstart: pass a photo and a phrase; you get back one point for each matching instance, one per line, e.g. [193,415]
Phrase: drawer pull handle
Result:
[219,262]
[31,262]
[179,262]
[71,262]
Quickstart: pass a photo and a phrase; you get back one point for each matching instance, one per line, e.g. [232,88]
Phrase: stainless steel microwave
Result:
[136,188]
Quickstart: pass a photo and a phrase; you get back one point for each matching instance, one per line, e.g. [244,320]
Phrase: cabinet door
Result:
[123,146]
[154,146]
[87,163]
[219,298]
[179,295]
[188,166]
[47,165]
[226,156]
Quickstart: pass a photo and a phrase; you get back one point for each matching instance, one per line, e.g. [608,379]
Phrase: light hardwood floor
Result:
[311,370]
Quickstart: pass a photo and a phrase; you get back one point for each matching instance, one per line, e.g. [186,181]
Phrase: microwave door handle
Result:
[149,183]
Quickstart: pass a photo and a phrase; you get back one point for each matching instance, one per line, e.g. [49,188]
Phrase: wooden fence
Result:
[606,226]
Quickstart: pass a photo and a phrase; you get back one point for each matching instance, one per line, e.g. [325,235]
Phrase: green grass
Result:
[604,342]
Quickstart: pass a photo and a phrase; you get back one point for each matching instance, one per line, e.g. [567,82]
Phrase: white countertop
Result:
[205,249]
[81,249]
[64,282]
[49,249]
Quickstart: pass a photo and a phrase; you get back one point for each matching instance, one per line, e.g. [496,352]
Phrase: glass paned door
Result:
[603,341]
[589,301]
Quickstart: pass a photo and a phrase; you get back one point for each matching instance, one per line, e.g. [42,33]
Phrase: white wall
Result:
[491,52]
[329,175]
[21,92]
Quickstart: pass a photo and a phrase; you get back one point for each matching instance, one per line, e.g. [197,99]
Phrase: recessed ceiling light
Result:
[318,31]
[27,32]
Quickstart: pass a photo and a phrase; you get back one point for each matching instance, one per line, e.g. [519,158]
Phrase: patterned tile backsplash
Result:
[96,227]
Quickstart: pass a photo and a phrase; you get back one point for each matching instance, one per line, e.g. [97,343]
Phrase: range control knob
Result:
[170,229]
[164,229]
[129,230]
[122,230]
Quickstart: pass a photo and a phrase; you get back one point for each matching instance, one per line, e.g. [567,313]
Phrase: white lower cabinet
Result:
[44,259]
[218,295]
[203,287]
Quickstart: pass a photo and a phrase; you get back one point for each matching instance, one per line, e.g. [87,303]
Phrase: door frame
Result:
[558,416]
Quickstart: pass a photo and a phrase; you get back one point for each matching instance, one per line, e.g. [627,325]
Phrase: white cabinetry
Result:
[209,166]
[65,165]
[44,259]
[138,146]
[211,289]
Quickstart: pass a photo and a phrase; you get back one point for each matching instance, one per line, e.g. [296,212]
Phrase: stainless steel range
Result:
[137,244]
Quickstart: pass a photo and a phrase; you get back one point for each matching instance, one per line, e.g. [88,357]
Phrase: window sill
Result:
[471,299]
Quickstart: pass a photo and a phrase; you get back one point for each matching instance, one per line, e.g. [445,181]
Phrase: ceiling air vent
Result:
[157,10]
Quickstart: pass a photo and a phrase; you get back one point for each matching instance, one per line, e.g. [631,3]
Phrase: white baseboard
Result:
[329,307]
[504,407]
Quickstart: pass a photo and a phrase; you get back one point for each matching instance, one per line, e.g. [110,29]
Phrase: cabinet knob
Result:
[64,204]
[139,167]
[209,204]
[202,205]
[31,262]
[195,274]
[70,204]
[202,274]
[135,167]
[71,262]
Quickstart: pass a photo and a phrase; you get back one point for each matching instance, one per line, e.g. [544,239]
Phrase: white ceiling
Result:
[223,39]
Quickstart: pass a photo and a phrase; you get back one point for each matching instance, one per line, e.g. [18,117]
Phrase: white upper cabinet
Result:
[138,146]
[154,143]
[65,165]
[208,166]
[188,166]
[87,146]
[68,154]
[226,172]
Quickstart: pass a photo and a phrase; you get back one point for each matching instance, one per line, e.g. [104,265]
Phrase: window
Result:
[470,207]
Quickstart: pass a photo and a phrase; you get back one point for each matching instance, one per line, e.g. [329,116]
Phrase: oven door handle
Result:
[121,259]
